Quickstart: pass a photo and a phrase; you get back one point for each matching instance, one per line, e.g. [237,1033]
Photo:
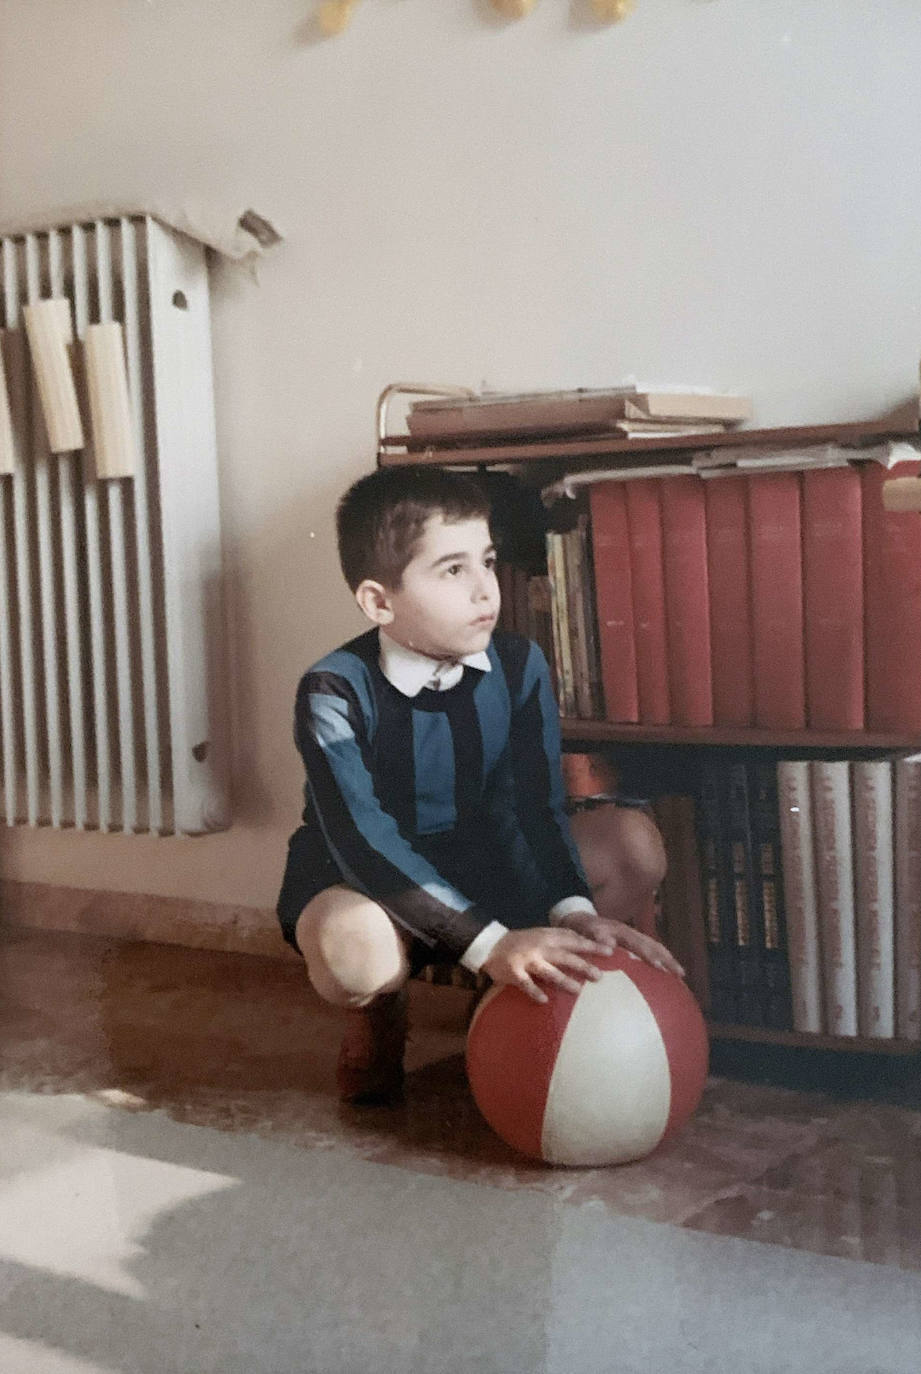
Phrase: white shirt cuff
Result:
[476,953]
[568,906]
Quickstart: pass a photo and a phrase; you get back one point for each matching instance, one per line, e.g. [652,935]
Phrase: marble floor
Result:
[181,1193]
[131,1243]
[815,1152]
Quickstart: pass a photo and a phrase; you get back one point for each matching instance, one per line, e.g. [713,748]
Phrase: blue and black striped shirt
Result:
[446,808]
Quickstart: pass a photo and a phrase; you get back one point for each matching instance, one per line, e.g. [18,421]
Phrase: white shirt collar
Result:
[410,671]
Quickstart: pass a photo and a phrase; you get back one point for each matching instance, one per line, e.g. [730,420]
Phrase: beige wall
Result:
[718,192]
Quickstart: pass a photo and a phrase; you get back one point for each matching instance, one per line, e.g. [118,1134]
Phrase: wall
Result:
[716,192]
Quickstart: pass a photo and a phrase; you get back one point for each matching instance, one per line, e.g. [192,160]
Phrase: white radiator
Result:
[112,680]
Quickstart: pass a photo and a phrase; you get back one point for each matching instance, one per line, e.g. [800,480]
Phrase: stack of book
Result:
[794,894]
[576,653]
[558,612]
[527,608]
[784,599]
[851,840]
[622,412]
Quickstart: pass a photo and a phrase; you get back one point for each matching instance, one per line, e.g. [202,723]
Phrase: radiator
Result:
[112,682]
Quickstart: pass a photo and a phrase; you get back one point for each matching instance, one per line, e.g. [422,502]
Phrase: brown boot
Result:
[370,1068]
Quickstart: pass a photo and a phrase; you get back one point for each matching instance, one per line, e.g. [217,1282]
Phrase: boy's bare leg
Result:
[624,860]
[623,857]
[358,959]
[352,949]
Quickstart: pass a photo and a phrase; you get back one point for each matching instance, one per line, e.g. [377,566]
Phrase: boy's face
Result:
[448,600]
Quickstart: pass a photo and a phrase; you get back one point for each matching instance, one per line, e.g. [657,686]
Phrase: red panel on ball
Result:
[688,1059]
[511,1051]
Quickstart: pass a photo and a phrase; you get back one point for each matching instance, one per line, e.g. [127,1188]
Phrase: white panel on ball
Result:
[611,1077]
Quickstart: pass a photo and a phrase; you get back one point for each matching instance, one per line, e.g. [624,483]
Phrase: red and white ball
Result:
[597,1078]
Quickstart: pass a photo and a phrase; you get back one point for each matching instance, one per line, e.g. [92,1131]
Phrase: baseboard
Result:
[196,925]
[141,916]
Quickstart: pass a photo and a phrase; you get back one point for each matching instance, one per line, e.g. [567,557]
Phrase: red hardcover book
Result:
[687,601]
[833,599]
[777,600]
[892,606]
[644,524]
[730,603]
[614,600]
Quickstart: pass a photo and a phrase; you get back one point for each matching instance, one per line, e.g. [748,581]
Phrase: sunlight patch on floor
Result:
[75,1208]
[34,1357]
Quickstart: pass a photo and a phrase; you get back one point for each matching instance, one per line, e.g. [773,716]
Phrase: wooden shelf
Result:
[402,449]
[854,1044]
[601,731]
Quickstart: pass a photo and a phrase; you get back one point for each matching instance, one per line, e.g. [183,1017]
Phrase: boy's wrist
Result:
[570,906]
[479,950]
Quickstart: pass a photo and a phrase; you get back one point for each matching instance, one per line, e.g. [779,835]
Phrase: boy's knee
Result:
[352,949]
[622,847]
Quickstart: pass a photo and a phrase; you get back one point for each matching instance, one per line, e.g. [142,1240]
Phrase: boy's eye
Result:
[453,569]
[490,562]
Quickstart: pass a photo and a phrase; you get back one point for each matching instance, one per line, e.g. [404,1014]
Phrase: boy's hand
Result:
[606,931]
[545,952]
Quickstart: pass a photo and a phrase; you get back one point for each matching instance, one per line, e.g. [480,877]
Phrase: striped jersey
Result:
[446,808]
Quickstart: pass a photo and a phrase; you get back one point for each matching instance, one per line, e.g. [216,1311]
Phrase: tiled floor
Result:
[831,1165]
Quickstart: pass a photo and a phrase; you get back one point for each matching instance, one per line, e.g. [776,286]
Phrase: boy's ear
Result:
[374,600]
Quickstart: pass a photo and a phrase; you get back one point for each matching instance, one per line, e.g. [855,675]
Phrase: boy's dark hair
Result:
[380,519]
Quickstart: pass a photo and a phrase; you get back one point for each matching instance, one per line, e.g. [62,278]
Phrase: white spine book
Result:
[874,889]
[908,898]
[556,568]
[800,899]
[831,819]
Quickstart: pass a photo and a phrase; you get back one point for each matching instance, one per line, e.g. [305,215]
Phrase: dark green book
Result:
[749,941]
[765,818]
[717,893]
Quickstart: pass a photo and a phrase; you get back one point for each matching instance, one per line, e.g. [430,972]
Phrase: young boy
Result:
[434,826]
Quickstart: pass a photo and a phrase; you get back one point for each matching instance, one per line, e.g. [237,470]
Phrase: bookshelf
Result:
[850,1044]
[579,453]
[879,742]
[541,460]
